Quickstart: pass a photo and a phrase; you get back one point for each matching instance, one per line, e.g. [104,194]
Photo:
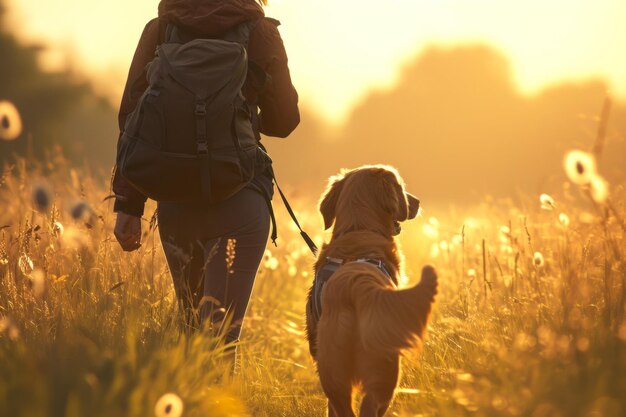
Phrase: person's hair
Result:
[262,2]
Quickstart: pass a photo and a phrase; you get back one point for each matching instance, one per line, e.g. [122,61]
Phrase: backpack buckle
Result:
[200,109]
[203,148]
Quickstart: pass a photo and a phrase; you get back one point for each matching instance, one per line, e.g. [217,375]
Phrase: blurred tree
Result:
[457,128]
[56,107]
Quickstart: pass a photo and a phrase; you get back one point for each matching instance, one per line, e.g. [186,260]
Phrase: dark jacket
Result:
[278,102]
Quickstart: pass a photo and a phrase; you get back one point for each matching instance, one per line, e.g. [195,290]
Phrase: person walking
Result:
[213,249]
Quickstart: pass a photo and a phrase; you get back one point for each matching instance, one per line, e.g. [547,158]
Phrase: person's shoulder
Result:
[267,25]
[265,41]
[266,30]
[273,21]
[154,31]
[152,28]
[152,24]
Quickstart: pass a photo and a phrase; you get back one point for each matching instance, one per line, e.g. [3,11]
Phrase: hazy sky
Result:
[340,48]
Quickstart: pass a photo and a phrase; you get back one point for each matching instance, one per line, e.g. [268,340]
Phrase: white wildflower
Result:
[58,228]
[169,405]
[547,202]
[599,189]
[580,167]
[564,219]
[10,121]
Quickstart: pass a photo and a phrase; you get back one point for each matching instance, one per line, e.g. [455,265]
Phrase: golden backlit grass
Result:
[529,319]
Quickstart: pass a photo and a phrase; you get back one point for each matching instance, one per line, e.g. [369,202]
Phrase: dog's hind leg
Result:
[336,379]
[337,385]
[331,411]
[335,354]
[340,405]
[376,400]
[374,406]
[379,376]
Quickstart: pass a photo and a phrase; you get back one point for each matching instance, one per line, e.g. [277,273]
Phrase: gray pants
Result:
[213,253]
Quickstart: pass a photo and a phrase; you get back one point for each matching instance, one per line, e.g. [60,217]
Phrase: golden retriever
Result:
[365,320]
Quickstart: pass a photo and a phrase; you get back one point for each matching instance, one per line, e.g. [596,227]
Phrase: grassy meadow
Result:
[529,320]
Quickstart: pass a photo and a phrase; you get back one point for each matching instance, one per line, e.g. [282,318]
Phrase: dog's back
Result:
[387,320]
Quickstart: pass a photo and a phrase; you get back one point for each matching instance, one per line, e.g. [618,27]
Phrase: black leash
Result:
[305,236]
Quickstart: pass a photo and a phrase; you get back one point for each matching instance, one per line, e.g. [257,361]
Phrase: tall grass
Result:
[529,319]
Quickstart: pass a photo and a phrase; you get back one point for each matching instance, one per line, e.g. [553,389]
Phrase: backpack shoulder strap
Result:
[241,33]
[176,34]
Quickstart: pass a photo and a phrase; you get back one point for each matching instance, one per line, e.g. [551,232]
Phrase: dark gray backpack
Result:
[190,137]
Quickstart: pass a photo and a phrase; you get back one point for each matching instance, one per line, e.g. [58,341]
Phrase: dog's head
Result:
[368,198]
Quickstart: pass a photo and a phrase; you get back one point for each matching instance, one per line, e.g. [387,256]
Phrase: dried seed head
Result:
[80,210]
[230,254]
[538,260]
[25,264]
[10,121]
[42,197]
[564,219]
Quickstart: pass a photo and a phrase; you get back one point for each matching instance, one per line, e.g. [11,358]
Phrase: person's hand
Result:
[128,231]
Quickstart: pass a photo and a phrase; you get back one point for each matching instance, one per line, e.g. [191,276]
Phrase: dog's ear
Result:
[328,205]
[389,194]
[414,205]
[394,199]
[408,205]
[403,211]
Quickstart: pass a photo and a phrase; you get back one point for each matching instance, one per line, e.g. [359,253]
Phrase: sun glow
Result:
[340,50]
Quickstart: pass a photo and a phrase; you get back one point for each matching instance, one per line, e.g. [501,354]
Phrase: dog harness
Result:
[326,272]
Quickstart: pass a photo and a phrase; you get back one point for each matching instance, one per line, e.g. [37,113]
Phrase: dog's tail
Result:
[392,320]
